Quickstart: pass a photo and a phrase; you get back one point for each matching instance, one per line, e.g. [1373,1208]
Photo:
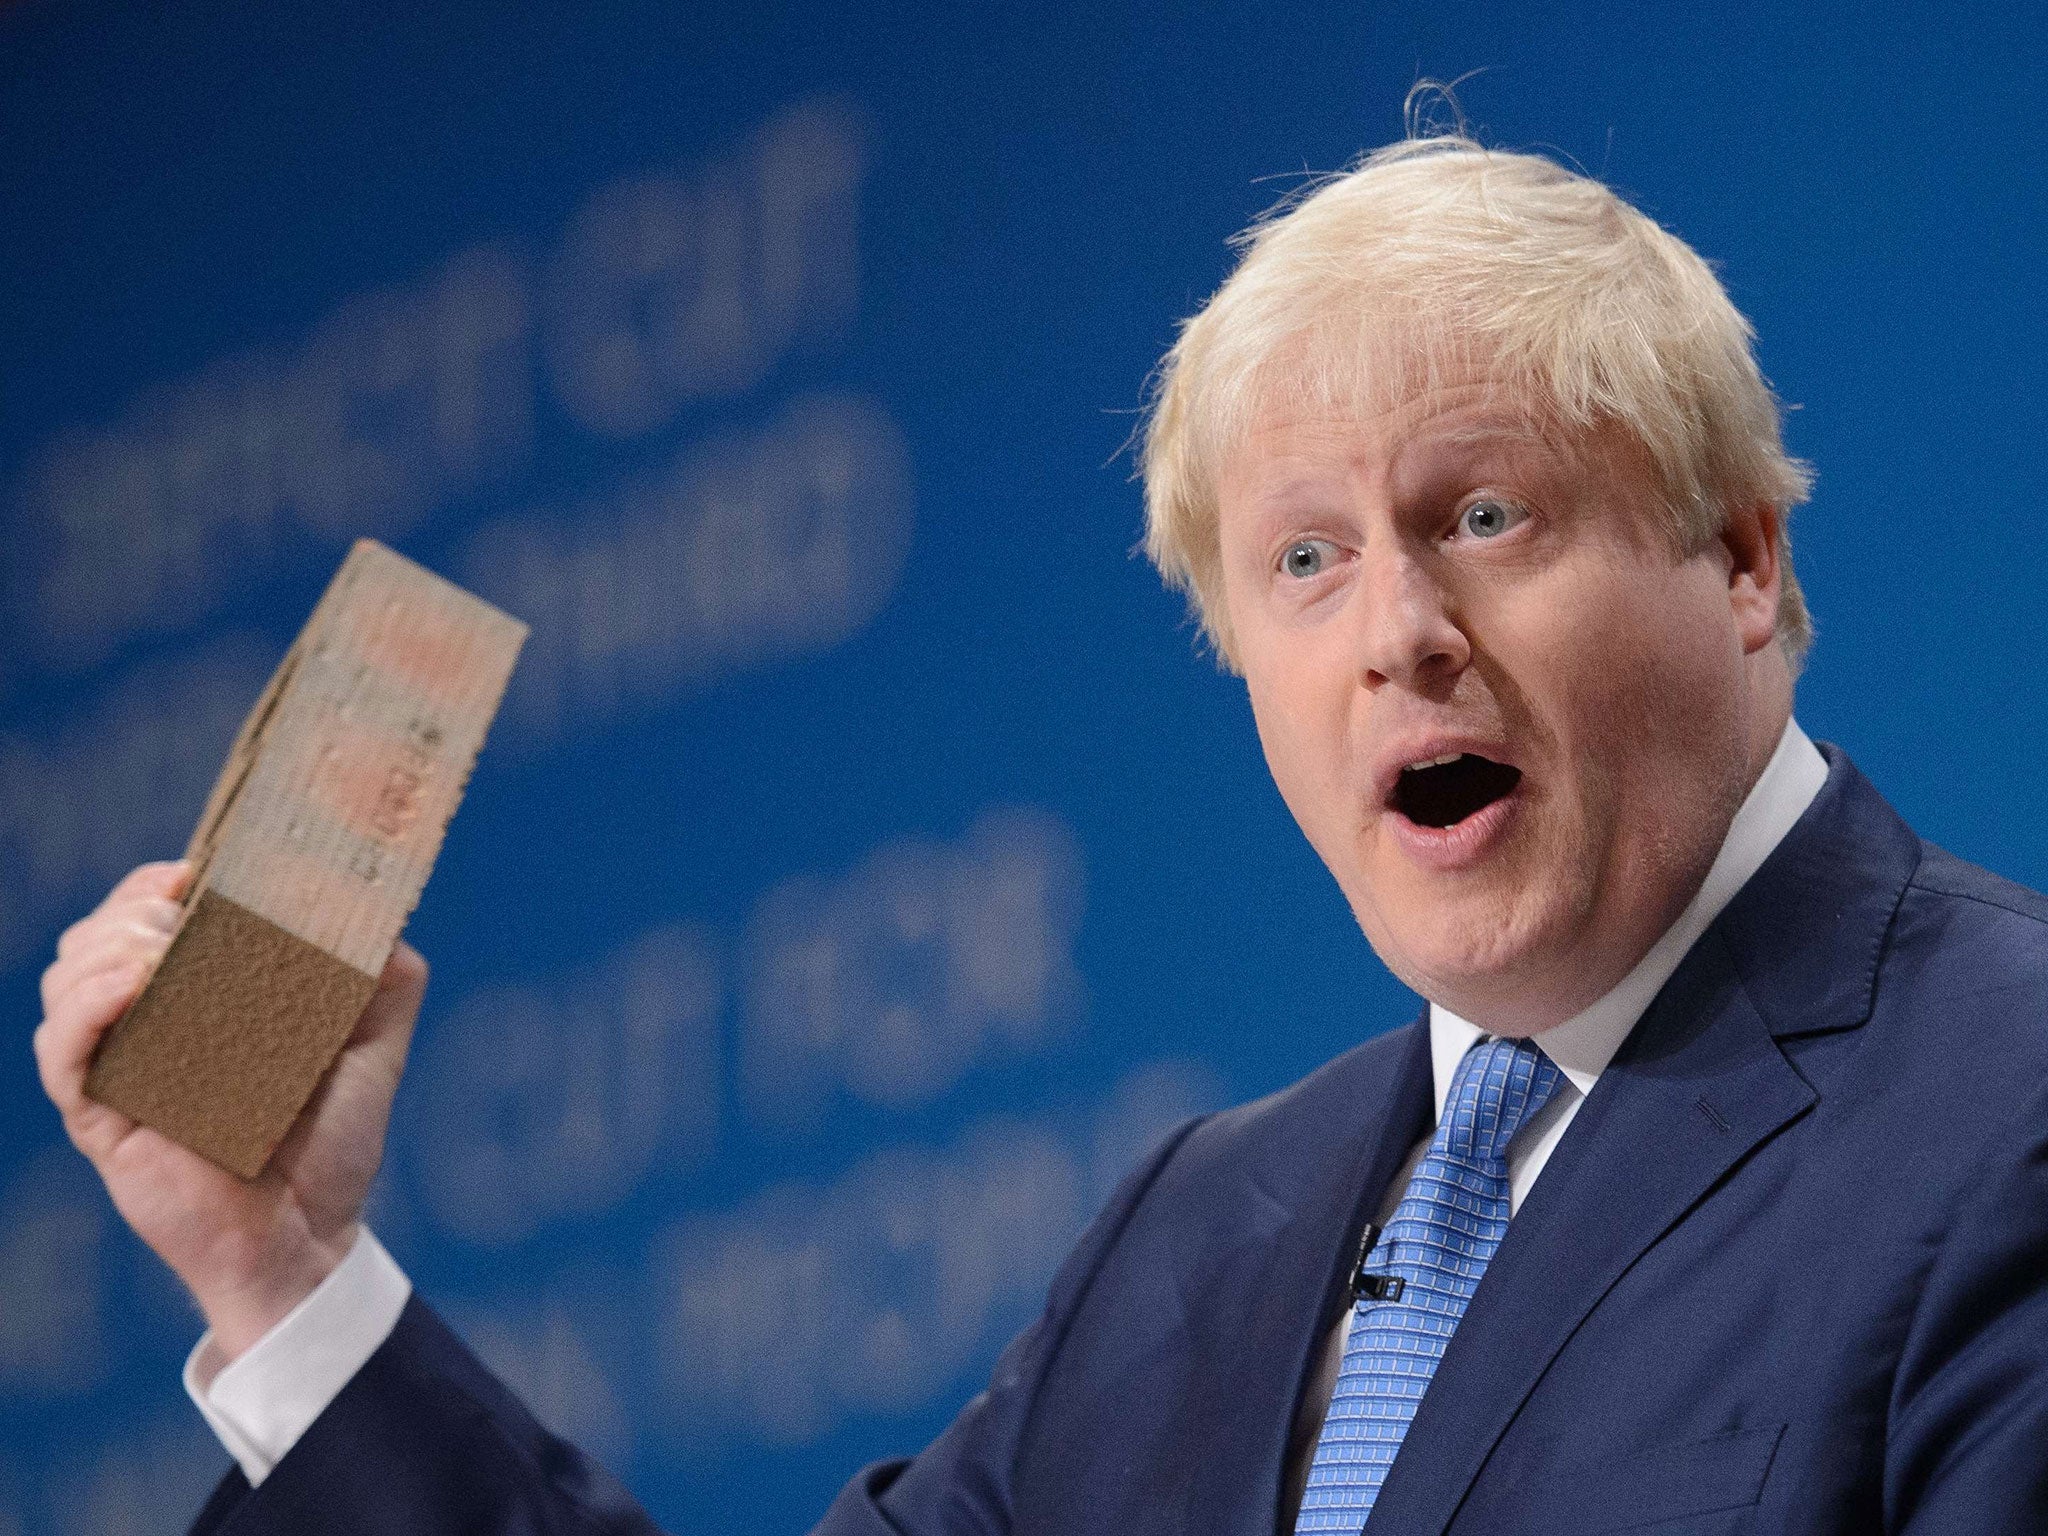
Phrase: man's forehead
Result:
[1374,363]
[1282,443]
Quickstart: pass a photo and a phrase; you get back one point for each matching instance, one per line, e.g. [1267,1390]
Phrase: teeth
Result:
[1435,762]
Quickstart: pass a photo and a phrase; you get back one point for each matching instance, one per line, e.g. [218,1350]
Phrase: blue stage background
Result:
[866,865]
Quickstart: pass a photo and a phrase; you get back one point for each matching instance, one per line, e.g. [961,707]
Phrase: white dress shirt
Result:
[260,1403]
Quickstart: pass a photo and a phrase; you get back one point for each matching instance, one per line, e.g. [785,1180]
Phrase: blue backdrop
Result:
[866,865]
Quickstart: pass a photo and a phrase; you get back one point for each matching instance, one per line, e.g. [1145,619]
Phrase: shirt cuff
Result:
[260,1403]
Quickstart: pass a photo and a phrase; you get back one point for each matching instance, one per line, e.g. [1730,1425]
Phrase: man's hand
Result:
[249,1250]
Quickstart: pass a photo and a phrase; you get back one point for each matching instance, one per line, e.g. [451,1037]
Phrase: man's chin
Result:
[1472,950]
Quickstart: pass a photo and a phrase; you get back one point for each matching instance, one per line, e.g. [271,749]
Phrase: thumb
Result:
[334,1148]
[385,1029]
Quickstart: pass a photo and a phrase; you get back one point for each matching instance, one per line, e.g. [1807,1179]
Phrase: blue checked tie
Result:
[1442,1235]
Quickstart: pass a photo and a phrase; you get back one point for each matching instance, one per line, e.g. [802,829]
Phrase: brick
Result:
[311,854]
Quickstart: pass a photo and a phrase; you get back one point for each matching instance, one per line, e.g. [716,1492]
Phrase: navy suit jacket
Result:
[1787,1271]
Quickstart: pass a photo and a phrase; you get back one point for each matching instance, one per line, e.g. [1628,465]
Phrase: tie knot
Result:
[1499,1084]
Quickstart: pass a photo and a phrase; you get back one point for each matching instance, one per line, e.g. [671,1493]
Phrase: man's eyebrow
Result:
[1287,487]
[1498,429]
[1279,487]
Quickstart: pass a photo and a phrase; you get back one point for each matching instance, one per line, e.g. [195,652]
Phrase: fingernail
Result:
[162,916]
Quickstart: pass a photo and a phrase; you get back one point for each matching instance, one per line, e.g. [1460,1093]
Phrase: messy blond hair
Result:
[1434,251]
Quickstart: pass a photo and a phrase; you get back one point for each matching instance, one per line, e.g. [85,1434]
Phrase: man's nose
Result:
[1409,634]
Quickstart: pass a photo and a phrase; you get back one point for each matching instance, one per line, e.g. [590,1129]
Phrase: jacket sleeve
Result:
[960,1484]
[425,1441]
[1967,1446]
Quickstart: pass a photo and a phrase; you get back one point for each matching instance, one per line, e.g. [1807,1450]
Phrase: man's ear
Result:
[1750,539]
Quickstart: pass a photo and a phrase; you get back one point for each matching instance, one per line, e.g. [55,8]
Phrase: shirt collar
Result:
[1583,1044]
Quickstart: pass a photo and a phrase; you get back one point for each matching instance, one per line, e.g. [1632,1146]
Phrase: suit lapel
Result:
[1698,1085]
[1256,1319]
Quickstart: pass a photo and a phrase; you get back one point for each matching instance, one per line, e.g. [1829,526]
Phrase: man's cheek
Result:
[1284,763]
[1594,683]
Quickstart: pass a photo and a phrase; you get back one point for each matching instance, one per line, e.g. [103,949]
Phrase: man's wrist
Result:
[238,1316]
[261,1403]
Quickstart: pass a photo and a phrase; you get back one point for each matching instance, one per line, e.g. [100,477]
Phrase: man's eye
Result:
[1308,557]
[1489,519]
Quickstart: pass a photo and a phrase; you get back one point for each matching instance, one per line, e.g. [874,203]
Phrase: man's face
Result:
[1446,579]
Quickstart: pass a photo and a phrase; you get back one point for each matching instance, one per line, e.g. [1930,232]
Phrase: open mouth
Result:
[1444,794]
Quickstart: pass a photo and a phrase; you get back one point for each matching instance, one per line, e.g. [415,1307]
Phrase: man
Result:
[1710,1194]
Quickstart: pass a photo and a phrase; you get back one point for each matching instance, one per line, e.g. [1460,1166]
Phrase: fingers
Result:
[165,877]
[102,962]
[154,883]
[64,1044]
[77,1010]
[112,935]
[127,902]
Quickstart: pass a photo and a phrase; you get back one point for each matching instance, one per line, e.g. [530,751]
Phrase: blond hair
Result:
[1437,250]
